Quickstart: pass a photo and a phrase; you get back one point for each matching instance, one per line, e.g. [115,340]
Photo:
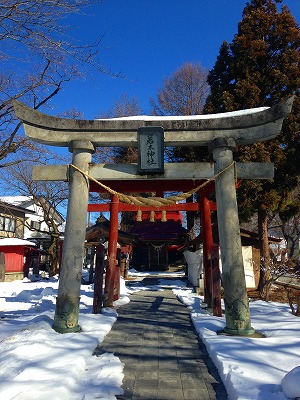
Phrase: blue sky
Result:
[146,41]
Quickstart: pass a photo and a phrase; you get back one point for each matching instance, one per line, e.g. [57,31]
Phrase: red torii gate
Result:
[211,277]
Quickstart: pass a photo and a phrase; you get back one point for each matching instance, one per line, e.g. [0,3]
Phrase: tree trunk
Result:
[265,264]
[54,258]
[2,267]
[292,240]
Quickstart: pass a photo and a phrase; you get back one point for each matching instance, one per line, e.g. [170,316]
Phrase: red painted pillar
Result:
[207,238]
[112,251]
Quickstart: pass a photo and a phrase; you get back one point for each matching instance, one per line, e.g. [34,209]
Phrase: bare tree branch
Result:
[37,57]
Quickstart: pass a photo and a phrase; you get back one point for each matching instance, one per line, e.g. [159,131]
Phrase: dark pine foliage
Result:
[261,68]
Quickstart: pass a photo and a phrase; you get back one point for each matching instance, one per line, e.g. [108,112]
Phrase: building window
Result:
[7,224]
[35,225]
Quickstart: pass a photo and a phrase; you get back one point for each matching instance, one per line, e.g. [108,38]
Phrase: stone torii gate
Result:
[220,132]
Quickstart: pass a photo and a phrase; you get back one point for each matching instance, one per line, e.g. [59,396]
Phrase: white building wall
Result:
[38,216]
[195,266]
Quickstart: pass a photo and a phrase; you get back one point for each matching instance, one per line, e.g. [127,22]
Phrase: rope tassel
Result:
[163,216]
[139,216]
[152,215]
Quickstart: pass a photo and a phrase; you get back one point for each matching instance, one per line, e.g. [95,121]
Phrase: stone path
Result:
[155,339]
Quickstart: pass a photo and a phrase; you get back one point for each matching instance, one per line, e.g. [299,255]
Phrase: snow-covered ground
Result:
[37,363]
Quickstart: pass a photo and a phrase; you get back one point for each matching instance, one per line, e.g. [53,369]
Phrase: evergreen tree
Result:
[261,68]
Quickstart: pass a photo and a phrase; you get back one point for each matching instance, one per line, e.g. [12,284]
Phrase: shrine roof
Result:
[158,231]
[101,230]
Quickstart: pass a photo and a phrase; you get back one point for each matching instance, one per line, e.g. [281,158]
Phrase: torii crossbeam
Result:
[220,132]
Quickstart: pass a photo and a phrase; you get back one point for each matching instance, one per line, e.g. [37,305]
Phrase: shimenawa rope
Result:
[153,201]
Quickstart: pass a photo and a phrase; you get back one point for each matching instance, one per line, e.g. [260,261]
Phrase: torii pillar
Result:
[67,302]
[233,276]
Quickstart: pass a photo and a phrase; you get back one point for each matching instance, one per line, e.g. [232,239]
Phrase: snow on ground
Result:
[38,363]
[251,368]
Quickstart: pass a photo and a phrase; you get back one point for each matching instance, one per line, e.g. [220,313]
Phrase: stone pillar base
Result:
[239,332]
[59,329]
[66,315]
[246,333]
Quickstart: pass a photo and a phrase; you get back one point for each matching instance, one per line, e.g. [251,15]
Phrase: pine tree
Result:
[261,68]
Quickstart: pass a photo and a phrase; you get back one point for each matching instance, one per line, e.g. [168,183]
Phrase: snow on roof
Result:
[9,203]
[189,117]
[15,242]
[15,200]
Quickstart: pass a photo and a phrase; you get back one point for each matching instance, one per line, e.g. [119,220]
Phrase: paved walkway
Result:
[155,339]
